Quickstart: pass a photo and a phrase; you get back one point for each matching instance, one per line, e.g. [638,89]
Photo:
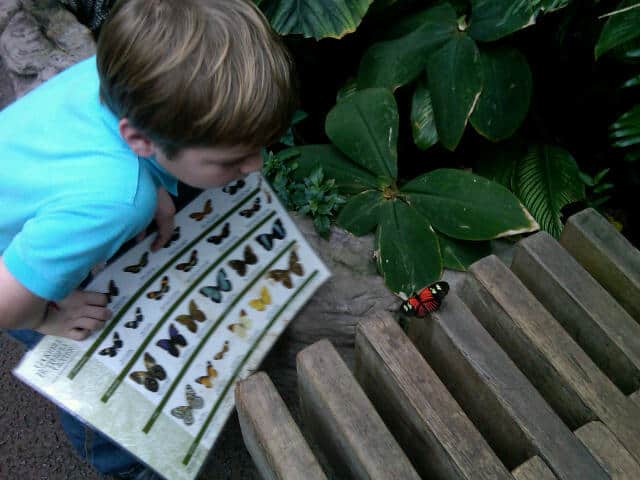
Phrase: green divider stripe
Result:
[211,330]
[231,381]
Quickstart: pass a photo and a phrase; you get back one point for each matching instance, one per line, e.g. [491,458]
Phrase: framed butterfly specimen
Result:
[112,351]
[277,233]
[217,239]
[112,291]
[262,301]
[138,318]
[172,343]
[240,328]
[194,315]
[135,268]
[248,212]
[240,266]
[223,350]
[164,288]
[174,237]
[284,276]
[426,300]
[215,292]
[193,261]
[185,412]
[234,187]
[149,377]
[206,380]
[208,208]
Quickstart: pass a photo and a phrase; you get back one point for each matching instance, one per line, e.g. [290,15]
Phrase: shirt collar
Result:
[161,175]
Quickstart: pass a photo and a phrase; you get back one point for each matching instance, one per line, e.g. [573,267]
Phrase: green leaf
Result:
[498,162]
[411,260]
[547,179]
[506,93]
[423,122]
[494,19]
[311,18]
[364,127]
[625,132]
[397,62]
[459,254]
[466,206]
[360,214]
[632,82]
[622,26]
[349,88]
[454,76]
[349,177]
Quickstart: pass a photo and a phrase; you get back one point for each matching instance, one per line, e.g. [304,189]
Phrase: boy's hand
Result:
[165,211]
[76,316]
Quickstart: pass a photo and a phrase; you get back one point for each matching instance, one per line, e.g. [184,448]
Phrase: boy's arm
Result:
[19,308]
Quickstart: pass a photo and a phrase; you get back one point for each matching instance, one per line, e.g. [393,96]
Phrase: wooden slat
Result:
[342,420]
[502,403]
[607,255]
[272,437]
[635,397]
[609,335]
[429,424]
[561,371]
[614,458]
[533,469]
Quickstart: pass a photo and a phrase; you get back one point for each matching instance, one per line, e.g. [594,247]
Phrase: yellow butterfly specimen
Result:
[206,379]
[242,326]
[261,303]
[284,276]
[194,315]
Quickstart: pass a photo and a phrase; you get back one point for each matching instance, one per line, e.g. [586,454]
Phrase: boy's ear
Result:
[137,141]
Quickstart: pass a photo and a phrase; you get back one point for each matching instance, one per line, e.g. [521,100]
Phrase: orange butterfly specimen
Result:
[208,208]
[284,276]
[206,379]
[164,288]
[225,349]
[195,315]
[138,266]
[217,239]
[193,261]
[242,326]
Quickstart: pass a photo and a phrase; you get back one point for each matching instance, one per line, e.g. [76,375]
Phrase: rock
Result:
[8,9]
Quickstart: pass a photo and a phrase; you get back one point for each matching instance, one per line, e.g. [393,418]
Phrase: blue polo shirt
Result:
[71,190]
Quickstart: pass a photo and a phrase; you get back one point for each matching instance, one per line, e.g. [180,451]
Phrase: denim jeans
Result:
[105,456]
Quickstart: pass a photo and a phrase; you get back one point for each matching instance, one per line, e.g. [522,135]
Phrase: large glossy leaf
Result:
[459,254]
[409,260]
[423,121]
[622,26]
[454,76]
[547,179]
[625,133]
[498,162]
[494,19]
[466,206]
[396,62]
[360,215]
[364,127]
[506,93]
[313,18]
[349,178]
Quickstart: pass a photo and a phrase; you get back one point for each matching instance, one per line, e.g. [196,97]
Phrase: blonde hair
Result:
[196,72]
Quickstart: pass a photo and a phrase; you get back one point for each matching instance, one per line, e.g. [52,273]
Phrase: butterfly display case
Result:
[190,320]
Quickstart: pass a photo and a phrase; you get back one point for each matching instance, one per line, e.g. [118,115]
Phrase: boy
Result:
[185,90]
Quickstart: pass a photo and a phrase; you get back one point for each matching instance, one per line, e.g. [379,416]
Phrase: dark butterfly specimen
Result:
[425,301]
[194,315]
[240,266]
[277,232]
[150,377]
[216,239]
[164,288]
[208,208]
[175,236]
[185,412]
[267,195]
[138,266]
[193,261]
[113,350]
[225,349]
[234,187]
[215,292]
[284,276]
[113,291]
[172,343]
[136,322]
[206,380]
[248,212]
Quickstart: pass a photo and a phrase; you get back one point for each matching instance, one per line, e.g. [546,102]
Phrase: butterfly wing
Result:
[223,282]
[153,368]
[294,264]
[176,337]
[167,345]
[197,314]
[250,257]
[278,230]
[195,401]
[211,292]
[188,322]
[239,266]
[184,413]
[281,276]
[265,240]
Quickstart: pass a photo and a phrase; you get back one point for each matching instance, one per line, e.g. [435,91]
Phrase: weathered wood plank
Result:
[607,255]
[273,439]
[613,457]
[561,371]
[533,469]
[635,397]
[501,402]
[583,307]
[342,420]
[428,423]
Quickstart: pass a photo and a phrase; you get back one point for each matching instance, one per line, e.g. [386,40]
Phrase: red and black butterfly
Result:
[426,300]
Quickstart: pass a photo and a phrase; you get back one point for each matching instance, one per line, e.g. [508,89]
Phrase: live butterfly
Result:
[426,300]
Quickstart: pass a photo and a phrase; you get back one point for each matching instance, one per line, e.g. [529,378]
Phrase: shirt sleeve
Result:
[56,249]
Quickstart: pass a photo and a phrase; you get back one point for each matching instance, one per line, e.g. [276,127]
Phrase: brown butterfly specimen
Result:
[193,261]
[113,291]
[225,349]
[248,212]
[242,326]
[217,239]
[208,208]
[164,288]
[240,266]
[267,195]
[138,266]
[150,376]
[206,379]
[194,315]
[284,276]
